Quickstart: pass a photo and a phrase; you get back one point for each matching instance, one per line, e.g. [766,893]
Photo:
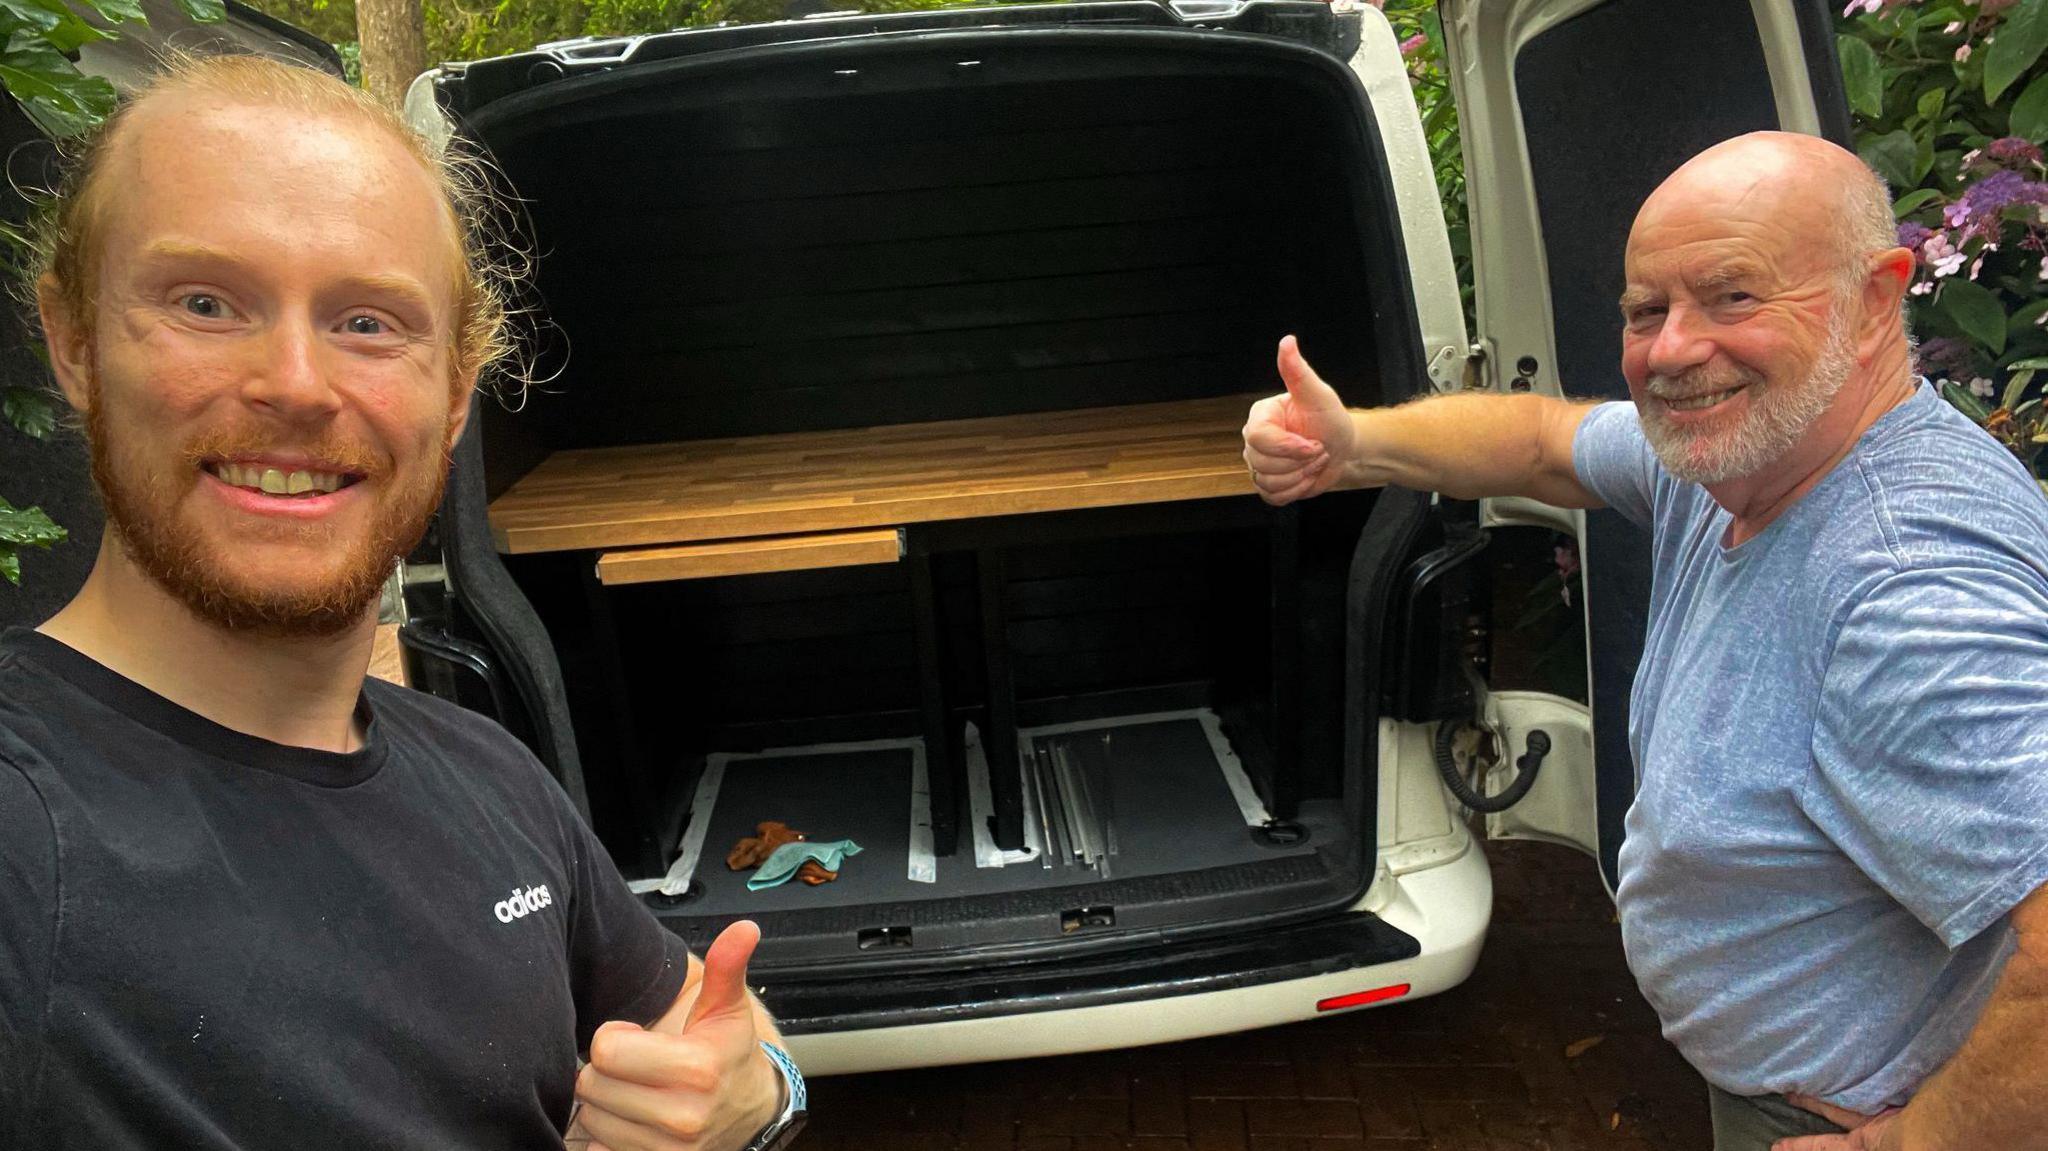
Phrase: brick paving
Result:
[1499,1064]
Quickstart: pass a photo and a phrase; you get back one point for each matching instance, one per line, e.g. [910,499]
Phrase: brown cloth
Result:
[755,849]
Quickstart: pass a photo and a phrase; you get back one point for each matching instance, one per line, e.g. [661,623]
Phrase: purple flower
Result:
[1941,256]
[1912,235]
[1977,212]
[1413,44]
[2013,152]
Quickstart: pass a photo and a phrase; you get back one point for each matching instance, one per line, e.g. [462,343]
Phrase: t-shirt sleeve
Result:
[28,886]
[1615,462]
[1930,749]
[623,963]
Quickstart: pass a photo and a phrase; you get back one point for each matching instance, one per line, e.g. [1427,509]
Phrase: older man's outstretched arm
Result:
[1306,442]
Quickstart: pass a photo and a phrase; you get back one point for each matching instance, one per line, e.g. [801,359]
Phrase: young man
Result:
[251,899]
[1832,884]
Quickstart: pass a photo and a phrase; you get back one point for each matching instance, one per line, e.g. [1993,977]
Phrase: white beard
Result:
[1775,421]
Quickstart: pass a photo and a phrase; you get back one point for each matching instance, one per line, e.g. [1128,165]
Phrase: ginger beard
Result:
[1773,420]
[143,509]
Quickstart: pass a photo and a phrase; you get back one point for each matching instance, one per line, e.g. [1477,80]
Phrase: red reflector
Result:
[1361,998]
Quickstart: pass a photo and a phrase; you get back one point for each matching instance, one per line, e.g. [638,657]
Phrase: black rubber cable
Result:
[1528,765]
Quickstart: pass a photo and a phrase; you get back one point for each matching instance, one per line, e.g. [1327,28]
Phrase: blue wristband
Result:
[789,1119]
[792,1079]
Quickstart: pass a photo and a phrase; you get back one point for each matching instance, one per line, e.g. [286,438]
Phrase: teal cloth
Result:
[783,863]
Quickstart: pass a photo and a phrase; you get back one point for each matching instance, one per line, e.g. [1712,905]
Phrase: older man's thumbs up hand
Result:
[703,1084]
[1296,443]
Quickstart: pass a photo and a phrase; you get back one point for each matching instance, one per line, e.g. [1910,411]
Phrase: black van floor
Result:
[1170,804]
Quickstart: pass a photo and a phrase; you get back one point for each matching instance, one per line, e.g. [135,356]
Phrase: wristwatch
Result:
[781,1130]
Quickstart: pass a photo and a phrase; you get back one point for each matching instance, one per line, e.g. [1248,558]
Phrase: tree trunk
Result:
[394,39]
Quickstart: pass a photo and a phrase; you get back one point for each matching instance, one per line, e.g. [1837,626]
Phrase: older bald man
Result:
[1832,885]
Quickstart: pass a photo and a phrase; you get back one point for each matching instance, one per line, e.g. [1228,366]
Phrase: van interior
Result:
[1041,729]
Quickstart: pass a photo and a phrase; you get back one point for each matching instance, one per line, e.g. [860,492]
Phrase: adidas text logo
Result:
[522,903]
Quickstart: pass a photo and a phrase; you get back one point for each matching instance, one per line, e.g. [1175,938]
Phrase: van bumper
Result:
[1438,918]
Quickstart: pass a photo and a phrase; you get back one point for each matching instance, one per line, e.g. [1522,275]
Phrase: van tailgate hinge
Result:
[1478,359]
[1446,369]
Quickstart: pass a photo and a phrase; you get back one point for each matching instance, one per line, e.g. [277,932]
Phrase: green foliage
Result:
[2029,116]
[23,528]
[60,100]
[2018,45]
[1863,78]
[37,41]
[469,30]
[1951,102]
[1977,311]
[30,411]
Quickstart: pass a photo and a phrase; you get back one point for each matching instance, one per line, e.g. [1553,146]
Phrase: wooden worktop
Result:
[875,477]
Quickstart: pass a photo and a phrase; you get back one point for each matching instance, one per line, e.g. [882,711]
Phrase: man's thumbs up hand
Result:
[1296,444]
[703,1084]
[722,992]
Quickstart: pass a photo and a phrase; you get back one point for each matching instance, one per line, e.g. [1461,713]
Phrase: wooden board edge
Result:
[658,529]
[753,556]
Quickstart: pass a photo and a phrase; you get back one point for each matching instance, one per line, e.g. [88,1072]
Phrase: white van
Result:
[891,489]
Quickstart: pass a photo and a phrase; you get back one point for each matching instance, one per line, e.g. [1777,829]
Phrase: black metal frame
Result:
[986,540]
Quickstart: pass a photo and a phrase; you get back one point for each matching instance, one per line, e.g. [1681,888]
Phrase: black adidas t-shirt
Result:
[208,940]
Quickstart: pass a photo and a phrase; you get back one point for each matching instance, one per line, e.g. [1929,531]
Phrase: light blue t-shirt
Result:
[1840,731]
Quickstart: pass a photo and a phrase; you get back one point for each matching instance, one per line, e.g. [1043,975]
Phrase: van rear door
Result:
[1573,111]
